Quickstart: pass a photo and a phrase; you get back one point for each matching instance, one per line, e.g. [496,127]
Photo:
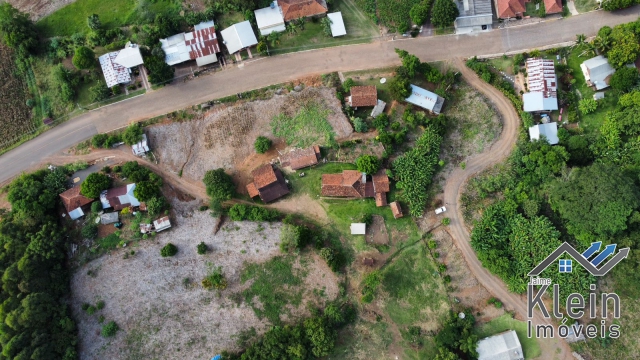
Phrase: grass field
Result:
[530,347]
[227,19]
[585,5]
[309,126]
[501,64]
[360,29]
[72,18]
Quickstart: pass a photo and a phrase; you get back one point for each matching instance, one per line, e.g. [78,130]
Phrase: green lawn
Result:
[585,5]
[592,122]
[360,29]
[227,19]
[308,127]
[530,9]
[72,18]
[530,347]
[501,64]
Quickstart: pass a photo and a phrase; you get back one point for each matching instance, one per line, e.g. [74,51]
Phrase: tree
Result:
[99,91]
[84,58]
[156,205]
[219,185]
[56,181]
[96,207]
[98,140]
[262,144]
[595,201]
[368,164]
[420,12]
[410,63]
[202,248]
[624,79]
[381,121]
[159,71]
[168,250]
[444,13]
[17,30]
[93,21]
[587,106]
[90,231]
[360,125]
[146,190]
[93,185]
[399,88]
[110,329]
[625,47]
[326,26]
[321,336]
[348,84]
[611,5]
[132,135]
[262,47]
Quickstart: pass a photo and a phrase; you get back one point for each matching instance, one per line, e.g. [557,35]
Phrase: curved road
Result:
[454,188]
[266,71]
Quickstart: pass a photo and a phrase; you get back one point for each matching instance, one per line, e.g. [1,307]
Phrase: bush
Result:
[84,58]
[168,250]
[96,207]
[100,319]
[132,135]
[381,121]
[98,140]
[348,84]
[262,144]
[444,13]
[624,79]
[446,221]
[587,106]
[91,310]
[110,329]
[219,187]
[368,164]
[215,279]
[85,306]
[156,205]
[99,92]
[90,231]
[240,212]
[202,248]
[100,305]
[369,285]
[359,125]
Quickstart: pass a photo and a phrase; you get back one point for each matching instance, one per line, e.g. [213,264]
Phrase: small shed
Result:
[549,131]
[337,24]
[109,218]
[146,228]
[162,224]
[270,19]
[141,147]
[358,229]
[396,209]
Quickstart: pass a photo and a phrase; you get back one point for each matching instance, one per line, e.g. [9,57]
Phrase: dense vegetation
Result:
[34,318]
[219,187]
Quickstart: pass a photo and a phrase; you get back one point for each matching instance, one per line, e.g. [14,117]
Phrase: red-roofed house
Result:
[295,9]
[268,183]
[354,184]
[363,96]
[552,6]
[301,158]
[510,8]
[74,202]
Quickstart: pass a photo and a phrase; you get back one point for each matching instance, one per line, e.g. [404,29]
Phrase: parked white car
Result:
[440,210]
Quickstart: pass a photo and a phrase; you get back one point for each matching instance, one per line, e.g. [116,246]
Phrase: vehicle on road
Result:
[440,210]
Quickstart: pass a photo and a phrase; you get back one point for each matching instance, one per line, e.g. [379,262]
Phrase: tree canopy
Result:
[595,201]
[18,31]
[84,58]
[420,12]
[219,186]
[444,13]
[368,164]
[624,79]
[625,49]
[262,144]
[93,185]
[132,135]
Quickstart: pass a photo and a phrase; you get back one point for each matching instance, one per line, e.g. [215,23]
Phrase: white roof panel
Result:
[425,99]
[504,346]
[268,17]
[550,131]
[129,56]
[358,229]
[536,101]
[337,24]
[239,36]
[114,74]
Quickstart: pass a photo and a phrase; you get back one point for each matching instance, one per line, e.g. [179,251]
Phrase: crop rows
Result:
[15,116]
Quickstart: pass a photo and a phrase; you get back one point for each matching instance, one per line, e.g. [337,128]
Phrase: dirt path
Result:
[456,182]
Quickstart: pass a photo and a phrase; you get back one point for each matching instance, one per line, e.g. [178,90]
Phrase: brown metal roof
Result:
[252,190]
[203,43]
[301,158]
[72,199]
[113,196]
[381,199]
[347,184]
[364,96]
[396,209]
[263,176]
[381,181]
[295,9]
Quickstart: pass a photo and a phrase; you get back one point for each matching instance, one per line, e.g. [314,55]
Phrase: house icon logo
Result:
[566,265]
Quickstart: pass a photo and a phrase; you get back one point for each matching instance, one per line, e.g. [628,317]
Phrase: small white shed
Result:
[358,229]
[162,224]
[337,24]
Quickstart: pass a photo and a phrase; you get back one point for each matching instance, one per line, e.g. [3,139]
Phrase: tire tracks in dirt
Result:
[454,188]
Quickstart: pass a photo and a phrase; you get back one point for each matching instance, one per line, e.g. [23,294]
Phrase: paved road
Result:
[454,187]
[267,71]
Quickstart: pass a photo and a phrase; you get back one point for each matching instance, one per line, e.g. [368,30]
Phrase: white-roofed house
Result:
[474,16]
[113,72]
[270,19]
[337,24]
[142,147]
[542,85]
[597,72]
[239,36]
[161,224]
[425,99]
[549,131]
[358,229]
[129,56]
[504,346]
[200,45]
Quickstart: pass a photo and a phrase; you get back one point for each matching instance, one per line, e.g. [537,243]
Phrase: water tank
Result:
[273,5]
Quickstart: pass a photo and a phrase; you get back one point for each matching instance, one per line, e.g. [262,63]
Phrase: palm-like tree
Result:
[589,50]
[580,39]
[292,28]
[602,43]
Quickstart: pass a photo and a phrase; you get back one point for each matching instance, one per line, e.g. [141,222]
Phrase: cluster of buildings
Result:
[477,15]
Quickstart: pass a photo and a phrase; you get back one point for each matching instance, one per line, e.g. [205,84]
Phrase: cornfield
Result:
[15,116]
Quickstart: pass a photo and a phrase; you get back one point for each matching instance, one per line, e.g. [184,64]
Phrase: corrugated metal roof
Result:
[337,24]
[238,36]
[550,131]
[202,42]
[114,73]
[425,99]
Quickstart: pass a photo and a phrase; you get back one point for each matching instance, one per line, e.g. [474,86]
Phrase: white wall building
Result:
[504,346]
[549,131]
[270,19]
[425,99]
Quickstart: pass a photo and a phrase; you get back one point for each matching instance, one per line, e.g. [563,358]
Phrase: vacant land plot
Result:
[164,312]
[15,116]
[224,136]
[38,9]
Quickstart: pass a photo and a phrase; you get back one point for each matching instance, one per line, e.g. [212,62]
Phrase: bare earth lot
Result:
[224,136]
[164,316]
[38,9]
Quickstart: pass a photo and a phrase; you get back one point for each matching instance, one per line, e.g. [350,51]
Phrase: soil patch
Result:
[377,232]
[159,304]
[37,9]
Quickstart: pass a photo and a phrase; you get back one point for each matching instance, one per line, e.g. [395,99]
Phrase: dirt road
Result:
[498,152]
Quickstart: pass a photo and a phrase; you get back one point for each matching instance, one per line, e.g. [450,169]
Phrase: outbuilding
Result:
[358,229]
[238,36]
[270,19]
[425,99]
[549,131]
[337,24]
